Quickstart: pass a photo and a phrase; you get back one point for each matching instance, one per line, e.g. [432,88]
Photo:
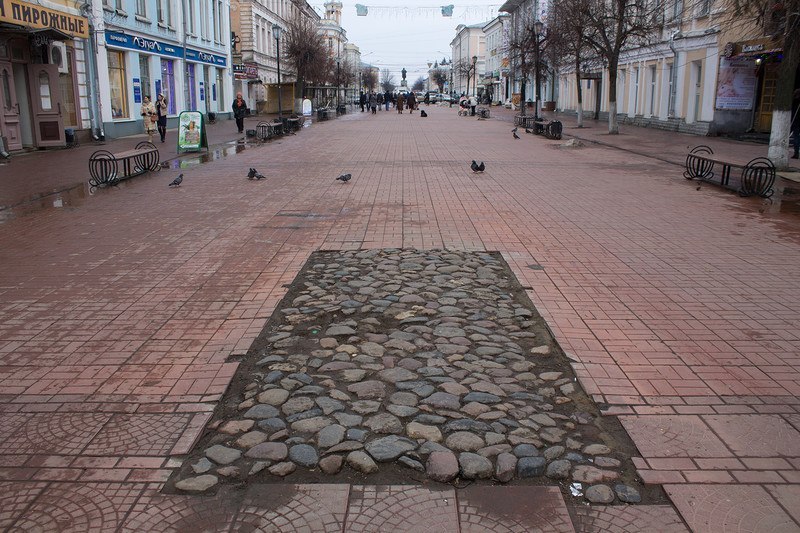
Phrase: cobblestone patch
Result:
[419,364]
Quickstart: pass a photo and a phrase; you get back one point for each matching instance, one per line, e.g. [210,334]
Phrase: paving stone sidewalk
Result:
[119,316]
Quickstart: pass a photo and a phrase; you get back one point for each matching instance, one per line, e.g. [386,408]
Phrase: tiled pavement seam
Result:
[605,303]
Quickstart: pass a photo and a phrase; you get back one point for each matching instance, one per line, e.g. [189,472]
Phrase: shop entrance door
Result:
[9,108]
[48,122]
[764,122]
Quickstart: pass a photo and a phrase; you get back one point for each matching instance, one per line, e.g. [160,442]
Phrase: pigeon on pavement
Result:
[344,178]
[422,113]
[177,181]
[255,174]
[478,168]
[514,133]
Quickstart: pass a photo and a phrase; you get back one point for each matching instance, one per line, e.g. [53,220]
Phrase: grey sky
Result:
[408,33]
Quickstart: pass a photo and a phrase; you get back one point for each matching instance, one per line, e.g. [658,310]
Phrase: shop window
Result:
[219,87]
[168,83]
[144,76]
[116,75]
[189,91]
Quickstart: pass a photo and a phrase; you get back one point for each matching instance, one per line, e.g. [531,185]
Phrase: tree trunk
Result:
[782,112]
[580,90]
[613,123]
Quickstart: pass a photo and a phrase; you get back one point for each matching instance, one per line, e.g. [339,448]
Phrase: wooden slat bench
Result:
[104,167]
[756,178]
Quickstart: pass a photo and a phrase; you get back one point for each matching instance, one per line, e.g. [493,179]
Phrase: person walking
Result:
[162,109]
[401,100]
[412,102]
[373,103]
[362,101]
[239,111]
[150,117]
[387,97]
[380,100]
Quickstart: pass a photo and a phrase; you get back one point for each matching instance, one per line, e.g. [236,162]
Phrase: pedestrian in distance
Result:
[240,111]
[150,117]
[401,100]
[387,97]
[412,102]
[380,100]
[362,101]
[373,103]
[473,103]
[162,109]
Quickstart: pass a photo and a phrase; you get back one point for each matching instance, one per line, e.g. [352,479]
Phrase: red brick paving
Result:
[678,307]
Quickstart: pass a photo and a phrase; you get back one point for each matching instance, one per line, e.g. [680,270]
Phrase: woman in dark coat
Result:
[412,102]
[239,111]
[400,101]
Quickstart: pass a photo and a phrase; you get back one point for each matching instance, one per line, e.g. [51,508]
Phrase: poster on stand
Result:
[191,132]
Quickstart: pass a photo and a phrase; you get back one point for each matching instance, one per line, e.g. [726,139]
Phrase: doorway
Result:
[767,104]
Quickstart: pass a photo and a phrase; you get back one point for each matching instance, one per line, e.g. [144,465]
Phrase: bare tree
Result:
[387,81]
[369,79]
[521,50]
[463,68]
[781,20]
[305,52]
[419,84]
[439,77]
[615,25]
[568,30]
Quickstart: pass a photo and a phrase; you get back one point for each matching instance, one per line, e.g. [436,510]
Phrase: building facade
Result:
[178,48]
[708,72]
[45,76]
[255,52]
[495,76]
[469,43]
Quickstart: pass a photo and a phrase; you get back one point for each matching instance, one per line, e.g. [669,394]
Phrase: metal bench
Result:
[551,129]
[104,167]
[756,179]
[268,130]
[482,112]
[322,113]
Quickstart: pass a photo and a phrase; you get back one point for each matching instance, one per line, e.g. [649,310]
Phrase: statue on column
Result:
[403,82]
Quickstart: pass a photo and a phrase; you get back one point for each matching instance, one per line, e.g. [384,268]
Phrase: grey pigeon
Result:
[177,181]
[422,113]
[514,133]
[478,168]
[514,130]
[344,178]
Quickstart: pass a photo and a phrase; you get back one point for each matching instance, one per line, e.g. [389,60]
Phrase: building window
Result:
[168,83]
[164,12]
[141,8]
[144,75]
[116,75]
[189,92]
[220,20]
[703,8]
[190,16]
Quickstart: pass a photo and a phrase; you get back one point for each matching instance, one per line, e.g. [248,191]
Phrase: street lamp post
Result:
[338,85]
[276,30]
[474,76]
[537,32]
